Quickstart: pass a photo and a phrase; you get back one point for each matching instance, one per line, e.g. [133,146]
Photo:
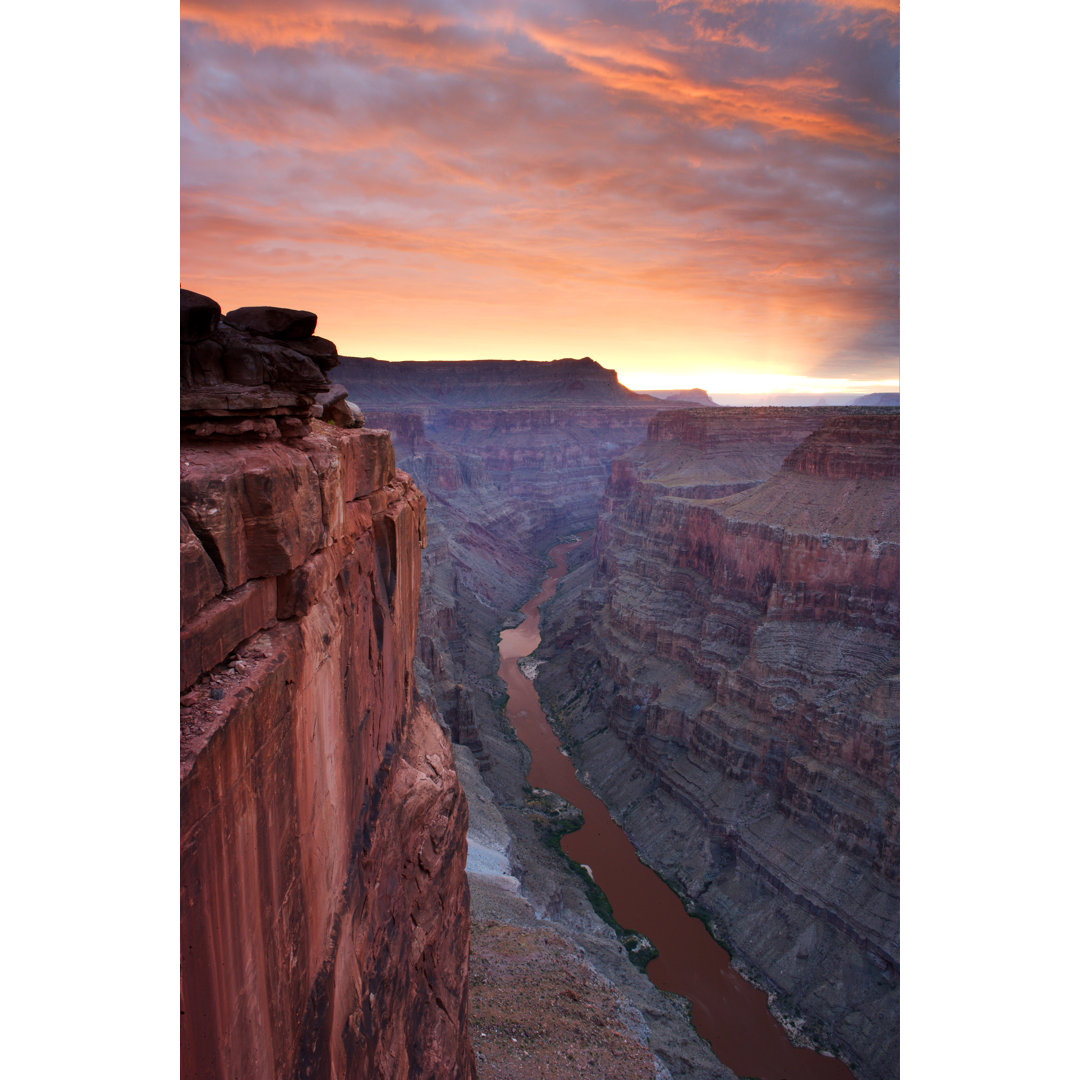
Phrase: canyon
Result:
[664,605]
[370,884]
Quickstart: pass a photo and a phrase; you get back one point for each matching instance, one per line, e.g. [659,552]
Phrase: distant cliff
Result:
[726,670]
[482,382]
[695,396]
[324,903]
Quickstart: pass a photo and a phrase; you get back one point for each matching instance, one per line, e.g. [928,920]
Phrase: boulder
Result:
[285,324]
[336,409]
[336,393]
[199,316]
[321,350]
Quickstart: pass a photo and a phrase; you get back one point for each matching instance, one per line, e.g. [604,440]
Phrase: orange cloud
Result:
[698,180]
[786,104]
[284,23]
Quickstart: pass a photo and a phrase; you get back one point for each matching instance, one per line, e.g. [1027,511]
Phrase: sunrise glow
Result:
[698,192]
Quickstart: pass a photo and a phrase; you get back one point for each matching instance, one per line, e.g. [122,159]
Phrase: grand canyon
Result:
[391,573]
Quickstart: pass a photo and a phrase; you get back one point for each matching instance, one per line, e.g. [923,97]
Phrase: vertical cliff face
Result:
[727,668]
[324,904]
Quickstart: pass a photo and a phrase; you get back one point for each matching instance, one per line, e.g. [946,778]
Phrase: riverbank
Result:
[730,1013]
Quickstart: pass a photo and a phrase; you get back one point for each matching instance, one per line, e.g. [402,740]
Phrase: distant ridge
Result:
[481,382]
[886,400]
[696,395]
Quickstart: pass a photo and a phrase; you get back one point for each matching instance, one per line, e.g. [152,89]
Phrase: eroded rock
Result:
[286,324]
[257,373]
[199,316]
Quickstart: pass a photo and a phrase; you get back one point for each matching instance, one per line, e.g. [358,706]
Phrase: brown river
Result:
[727,1011]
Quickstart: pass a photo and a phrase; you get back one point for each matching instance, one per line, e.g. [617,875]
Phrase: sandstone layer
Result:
[324,901]
[726,668]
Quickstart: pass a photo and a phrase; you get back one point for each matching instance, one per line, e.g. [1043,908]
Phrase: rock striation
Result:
[324,903]
[726,671]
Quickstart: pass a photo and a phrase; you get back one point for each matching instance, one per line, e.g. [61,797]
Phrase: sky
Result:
[697,193]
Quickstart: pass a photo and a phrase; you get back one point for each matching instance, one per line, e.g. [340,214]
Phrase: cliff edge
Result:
[324,905]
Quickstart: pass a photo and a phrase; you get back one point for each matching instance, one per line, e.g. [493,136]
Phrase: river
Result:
[728,1012]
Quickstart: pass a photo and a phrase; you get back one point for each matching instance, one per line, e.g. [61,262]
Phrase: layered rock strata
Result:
[511,455]
[471,383]
[726,671]
[324,902]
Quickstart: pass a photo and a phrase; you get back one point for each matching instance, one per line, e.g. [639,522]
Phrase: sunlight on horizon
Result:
[757,382]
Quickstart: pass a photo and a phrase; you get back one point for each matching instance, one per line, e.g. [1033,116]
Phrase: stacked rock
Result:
[256,372]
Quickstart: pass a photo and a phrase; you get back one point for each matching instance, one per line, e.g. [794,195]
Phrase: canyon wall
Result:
[511,455]
[324,904]
[725,671]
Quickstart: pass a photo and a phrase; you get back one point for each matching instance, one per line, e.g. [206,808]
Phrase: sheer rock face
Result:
[728,666]
[324,902]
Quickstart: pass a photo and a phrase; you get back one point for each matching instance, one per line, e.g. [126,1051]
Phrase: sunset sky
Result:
[697,193]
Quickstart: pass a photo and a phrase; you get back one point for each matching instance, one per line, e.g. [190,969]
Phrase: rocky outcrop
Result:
[726,671]
[324,902]
[255,371]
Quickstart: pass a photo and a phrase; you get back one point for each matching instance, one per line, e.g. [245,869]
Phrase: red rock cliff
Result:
[324,904]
